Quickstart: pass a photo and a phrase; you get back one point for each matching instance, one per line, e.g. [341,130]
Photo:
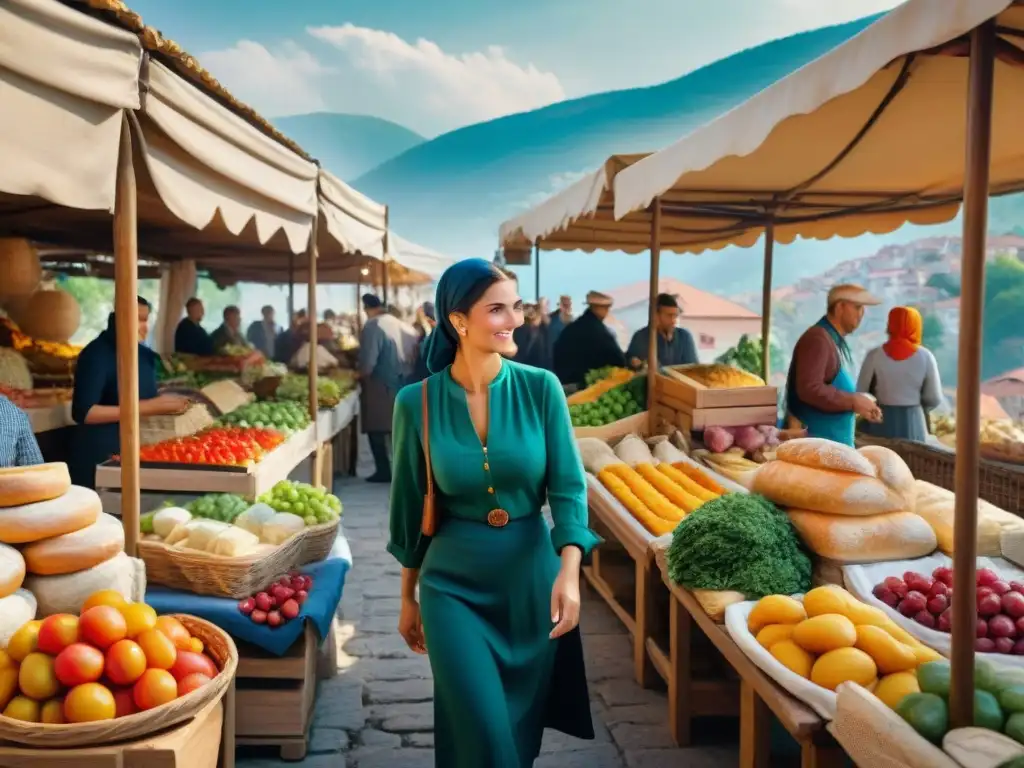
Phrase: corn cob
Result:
[628,499]
[667,487]
[647,494]
[595,390]
[701,478]
[688,484]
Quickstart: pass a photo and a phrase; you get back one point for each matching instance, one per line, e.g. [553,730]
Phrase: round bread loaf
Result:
[30,485]
[76,551]
[77,509]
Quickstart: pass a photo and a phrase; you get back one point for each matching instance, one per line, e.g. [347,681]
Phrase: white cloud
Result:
[444,90]
[285,81]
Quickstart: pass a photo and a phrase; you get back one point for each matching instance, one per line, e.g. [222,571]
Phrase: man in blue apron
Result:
[821,391]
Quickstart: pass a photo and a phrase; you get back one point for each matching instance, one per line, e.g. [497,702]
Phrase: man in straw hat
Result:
[587,343]
[821,391]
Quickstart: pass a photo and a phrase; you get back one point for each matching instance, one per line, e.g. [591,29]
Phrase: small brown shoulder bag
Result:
[429,524]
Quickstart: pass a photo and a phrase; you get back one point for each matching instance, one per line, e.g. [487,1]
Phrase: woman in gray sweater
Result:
[904,377]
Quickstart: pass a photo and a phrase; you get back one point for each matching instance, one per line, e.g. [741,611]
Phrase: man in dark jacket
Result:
[587,343]
[190,338]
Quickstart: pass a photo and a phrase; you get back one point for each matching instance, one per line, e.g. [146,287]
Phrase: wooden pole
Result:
[652,313]
[314,343]
[387,243]
[536,270]
[359,307]
[126,312]
[972,286]
[291,288]
[766,300]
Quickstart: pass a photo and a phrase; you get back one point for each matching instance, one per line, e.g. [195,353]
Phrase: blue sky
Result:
[443,64]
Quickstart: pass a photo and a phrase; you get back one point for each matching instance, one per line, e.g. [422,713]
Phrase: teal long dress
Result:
[485,591]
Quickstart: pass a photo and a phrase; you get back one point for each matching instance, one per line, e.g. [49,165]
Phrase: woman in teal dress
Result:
[499,596]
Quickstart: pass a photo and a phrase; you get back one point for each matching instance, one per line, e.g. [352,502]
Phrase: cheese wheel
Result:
[819,453]
[30,485]
[67,594]
[820,490]
[76,551]
[12,570]
[892,470]
[78,508]
[15,610]
[846,539]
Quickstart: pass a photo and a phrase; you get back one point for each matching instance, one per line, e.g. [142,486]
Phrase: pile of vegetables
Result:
[222,507]
[287,416]
[623,400]
[296,387]
[741,543]
[218,446]
[599,381]
[747,355]
[280,603]
[309,504]
[738,449]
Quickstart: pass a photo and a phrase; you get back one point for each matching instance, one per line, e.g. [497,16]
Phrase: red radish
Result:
[989,605]
[938,588]
[258,616]
[896,586]
[247,606]
[274,619]
[984,645]
[917,581]
[1018,648]
[945,622]
[297,583]
[1004,645]
[1000,587]
[925,619]
[981,628]
[1013,604]
[943,574]
[283,593]
[913,603]
[263,602]
[1020,626]
[985,577]
[290,609]
[982,591]
[285,581]
[1016,586]
[938,604]
[301,595]
[1001,626]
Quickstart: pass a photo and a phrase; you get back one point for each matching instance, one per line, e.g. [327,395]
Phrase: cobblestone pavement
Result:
[378,712]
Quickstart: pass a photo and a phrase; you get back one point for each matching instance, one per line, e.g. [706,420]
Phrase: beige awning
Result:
[350,222]
[866,138]
[65,80]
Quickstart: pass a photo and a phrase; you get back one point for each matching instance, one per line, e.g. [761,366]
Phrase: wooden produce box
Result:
[196,744]
[637,424]
[275,696]
[689,405]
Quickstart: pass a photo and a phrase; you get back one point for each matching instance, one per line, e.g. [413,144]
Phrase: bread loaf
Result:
[820,490]
[12,570]
[819,453]
[15,610]
[66,594]
[844,539]
[76,509]
[936,506]
[76,551]
[29,485]
[892,470]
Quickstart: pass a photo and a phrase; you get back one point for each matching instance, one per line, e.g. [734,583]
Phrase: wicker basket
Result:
[220,647]
[236,577]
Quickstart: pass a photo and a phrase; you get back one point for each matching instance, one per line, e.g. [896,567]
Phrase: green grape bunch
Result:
[314,505]
[286,417]
[223,507]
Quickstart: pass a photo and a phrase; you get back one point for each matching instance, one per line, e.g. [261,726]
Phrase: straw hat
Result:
[598,299]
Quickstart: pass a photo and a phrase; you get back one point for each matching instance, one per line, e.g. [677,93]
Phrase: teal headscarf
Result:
[457,282]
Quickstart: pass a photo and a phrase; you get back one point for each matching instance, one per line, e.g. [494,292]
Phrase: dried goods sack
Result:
[845,539]
[12,570]
[820,490]
[67,593]
[633,450]
[892,470]
[936,506]
[77,509]
[30,485]
[819,453]
[76,551]
[15,609]
[596,454]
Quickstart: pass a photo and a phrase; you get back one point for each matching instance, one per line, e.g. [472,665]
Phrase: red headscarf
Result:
[905,328]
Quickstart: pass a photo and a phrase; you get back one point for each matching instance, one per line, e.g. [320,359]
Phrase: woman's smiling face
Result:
[491,321]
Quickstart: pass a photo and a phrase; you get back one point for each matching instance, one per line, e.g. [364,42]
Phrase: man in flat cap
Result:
[587,343]
[821,391]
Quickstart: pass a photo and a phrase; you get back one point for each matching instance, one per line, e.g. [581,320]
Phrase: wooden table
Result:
[637,610]
[759,696]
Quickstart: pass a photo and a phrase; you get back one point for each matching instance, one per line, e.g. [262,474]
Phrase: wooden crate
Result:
[200,743]
[637,424]
[673,406]
[692,393]
[275,696]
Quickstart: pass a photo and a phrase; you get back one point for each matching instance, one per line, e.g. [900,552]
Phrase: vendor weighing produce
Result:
[95,405]
[821,391]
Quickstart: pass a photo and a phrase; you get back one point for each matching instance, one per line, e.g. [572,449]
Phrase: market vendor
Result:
[229,333]
[821,390]
[675,345]
[18,446]
[587,343]
[190,338]
[95,404]
[262,334]
[383,370]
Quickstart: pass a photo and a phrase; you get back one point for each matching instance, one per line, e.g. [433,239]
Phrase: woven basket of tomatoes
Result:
[115,673]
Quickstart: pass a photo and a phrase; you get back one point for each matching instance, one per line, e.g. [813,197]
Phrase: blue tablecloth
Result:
[320,606]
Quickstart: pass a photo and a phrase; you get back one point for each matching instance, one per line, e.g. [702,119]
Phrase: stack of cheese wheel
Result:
[57,541]
[849,506]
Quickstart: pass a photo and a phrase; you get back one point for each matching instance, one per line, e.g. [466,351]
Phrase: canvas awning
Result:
[866,138]
[65,80]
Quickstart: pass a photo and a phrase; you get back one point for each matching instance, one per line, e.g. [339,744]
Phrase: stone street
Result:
[378,713]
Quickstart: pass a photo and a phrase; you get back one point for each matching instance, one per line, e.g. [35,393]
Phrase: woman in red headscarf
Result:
[904,377]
